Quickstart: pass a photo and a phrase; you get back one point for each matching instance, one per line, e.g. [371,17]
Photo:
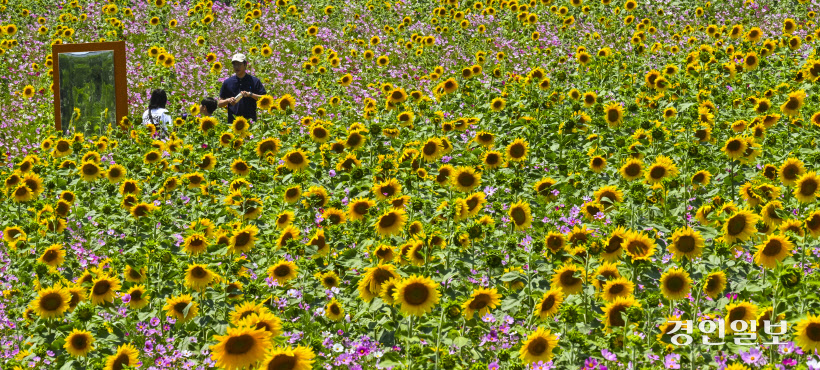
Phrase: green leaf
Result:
[511,276]
[390,359]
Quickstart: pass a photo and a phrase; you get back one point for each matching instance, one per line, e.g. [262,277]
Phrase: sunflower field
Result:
[473,184]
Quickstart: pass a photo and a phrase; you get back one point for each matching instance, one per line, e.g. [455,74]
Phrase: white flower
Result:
[378,354]
[338,347]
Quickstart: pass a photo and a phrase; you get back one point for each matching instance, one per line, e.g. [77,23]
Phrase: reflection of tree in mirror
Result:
[87,84]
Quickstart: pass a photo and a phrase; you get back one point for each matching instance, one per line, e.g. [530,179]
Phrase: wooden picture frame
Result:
[120,85]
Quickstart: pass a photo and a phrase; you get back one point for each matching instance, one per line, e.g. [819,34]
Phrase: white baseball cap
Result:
[238,58]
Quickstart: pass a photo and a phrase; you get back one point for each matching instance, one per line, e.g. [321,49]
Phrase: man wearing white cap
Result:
[240,91]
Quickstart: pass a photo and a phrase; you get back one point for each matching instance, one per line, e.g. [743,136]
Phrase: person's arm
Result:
[225,98]
[257,91]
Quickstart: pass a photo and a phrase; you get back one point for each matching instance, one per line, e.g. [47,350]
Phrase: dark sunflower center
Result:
[199,272]
[329,281]
[50,255]
[79,342]
[738,313]
[243,239]
[548,303]
[282,362]
[733,145]
[240,345]
[180,307]
[793,103]
[361,207]
[136,296]
[773,248]
[657,172]
[616,289]
[63,146]
[736,225]
[334,309]
[517,150]
[518,215]
[430,148]
[480,301]
[813,332]
[537,346]
[615,316]
[686,244]
[416,294]
[813,223]
[121,361]
[51,301]
[281,271]
[675,284]
[388,220]
[633,170]
[354,139]
[101,287]
[637,248]
[567,280]
[151,156]
[90,169]
[808,187]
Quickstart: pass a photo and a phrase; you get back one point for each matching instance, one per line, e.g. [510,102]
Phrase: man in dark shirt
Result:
[242,83]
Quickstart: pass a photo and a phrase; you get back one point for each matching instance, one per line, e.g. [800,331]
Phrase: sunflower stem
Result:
[438,335]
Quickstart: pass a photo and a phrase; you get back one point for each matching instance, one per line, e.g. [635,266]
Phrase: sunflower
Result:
[619,287]
[481,301]
[793,103]
[664,167]
[564,278]
[743,311]
[199,277]
[773,251]
[517,150]
[790,171]
[432,150]
[127,355]
[287,358]
[283,271]
[391,222]
[263,320]
[521,215]
[386,189]
[53,256]
[142,209]
[613,114]
[675,284]
[51,302]
[243,239]
[195,244]
[358,208]
[538,346]
[133,275]
[90,171]
[245,309]
[318,240]
[550,303]
[240,347]
[608,196]
[79,343]
[139,297]
[632,169]
[370,285]
[638,245]
[77,295]
[465,179]
[492,159]
[176,307]
[807,187]
[807,333]
[417,295]
[613,310]
[103,289]
[288,233]
[265,102]
[286,102]
[686,242]
[734,147]
[740,226]
[813,224]
[292,194]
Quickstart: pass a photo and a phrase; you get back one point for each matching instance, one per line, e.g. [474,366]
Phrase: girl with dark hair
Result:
[156,113]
